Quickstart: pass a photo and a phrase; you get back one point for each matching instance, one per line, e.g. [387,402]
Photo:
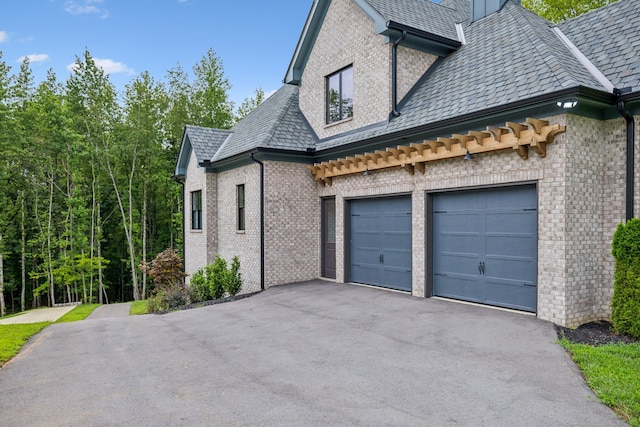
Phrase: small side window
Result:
[196,210]
[240,207]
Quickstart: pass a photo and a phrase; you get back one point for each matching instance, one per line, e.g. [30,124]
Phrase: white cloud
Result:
[3,36]
[85,7]
[109,66]
[34,57]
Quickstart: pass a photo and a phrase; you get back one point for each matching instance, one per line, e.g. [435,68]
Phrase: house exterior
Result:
[468,150]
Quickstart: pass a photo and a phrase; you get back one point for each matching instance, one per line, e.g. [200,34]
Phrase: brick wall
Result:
[231,242]
[412,64]
[195,241]
[371,60]
[292,224]
[573,286]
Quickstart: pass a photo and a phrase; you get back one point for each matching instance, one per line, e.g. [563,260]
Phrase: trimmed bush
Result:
[215,280]
[234,279]
[218,275]
[625,304]
[199,289]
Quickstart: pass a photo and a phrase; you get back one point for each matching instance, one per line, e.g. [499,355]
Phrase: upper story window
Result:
[340,95]
[196,210]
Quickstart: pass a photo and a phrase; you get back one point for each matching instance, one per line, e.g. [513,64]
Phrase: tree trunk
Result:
[99,247]
[49,255]
[23,250]
[127,221]
[144,239]
[2,307]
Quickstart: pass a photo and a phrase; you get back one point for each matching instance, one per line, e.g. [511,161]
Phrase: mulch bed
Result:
[205,303]
[595,333]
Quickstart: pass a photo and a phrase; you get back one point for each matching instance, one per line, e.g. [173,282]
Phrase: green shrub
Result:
[217,275]
[625,304]
[214,280]
[234,278]
[156,302]
[198,287]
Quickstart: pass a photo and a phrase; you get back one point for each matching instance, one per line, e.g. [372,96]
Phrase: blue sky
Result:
[254,39]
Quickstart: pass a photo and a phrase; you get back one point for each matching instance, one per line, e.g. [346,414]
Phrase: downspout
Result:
[394,74]
[261,220]
[631,136]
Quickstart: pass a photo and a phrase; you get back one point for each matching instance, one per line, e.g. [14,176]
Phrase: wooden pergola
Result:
[534,134]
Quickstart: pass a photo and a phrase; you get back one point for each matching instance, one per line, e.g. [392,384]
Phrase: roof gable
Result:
[431,27]
[277,124]
[204,142]
[511,55]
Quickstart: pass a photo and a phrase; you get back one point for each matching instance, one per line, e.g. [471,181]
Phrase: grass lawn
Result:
[139,307]
[79,313]
[613,373]
[13,337]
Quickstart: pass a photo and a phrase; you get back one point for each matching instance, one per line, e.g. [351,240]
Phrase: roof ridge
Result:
[548,57]
[281,114]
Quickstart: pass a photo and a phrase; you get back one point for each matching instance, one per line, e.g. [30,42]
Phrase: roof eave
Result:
[598,103]
[306,41]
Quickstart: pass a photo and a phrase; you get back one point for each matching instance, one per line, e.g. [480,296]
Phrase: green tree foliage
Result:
[561,10]
[87,192]
[625,303]
[250,104]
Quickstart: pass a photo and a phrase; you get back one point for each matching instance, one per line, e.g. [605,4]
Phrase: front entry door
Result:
[329,238]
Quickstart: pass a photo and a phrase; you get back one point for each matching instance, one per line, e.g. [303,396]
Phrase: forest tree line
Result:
[86,186]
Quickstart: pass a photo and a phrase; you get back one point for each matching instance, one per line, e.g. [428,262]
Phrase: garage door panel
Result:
[458,286]
[511,222]
[457,263]
[365,255]
[459,242]
[520,246]
[511,197]
[485,246]
[396,240]
[397,258]
[367,239]
[381,242]
[511,268]
[459,222]
[366,273]
[396,278]
[511,295]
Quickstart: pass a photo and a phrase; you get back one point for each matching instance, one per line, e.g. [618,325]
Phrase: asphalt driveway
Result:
[315,353]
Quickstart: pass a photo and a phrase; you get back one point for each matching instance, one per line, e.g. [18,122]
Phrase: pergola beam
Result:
[535,133]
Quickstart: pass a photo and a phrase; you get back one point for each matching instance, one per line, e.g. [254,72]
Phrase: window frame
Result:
[196,214]
[341,99]
[240,207]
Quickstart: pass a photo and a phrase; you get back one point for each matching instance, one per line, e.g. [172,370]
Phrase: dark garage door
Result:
[381,242]
[485,246]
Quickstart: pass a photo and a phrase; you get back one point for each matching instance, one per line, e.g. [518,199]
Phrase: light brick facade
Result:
[370,56]
[196,240]
[580,186]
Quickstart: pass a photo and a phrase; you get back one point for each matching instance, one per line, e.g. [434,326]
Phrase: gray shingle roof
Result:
[277,123]
[423,15]
[510,55]
[610,38]
[205,141]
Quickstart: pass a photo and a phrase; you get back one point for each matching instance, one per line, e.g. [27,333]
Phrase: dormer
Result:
[357,58]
